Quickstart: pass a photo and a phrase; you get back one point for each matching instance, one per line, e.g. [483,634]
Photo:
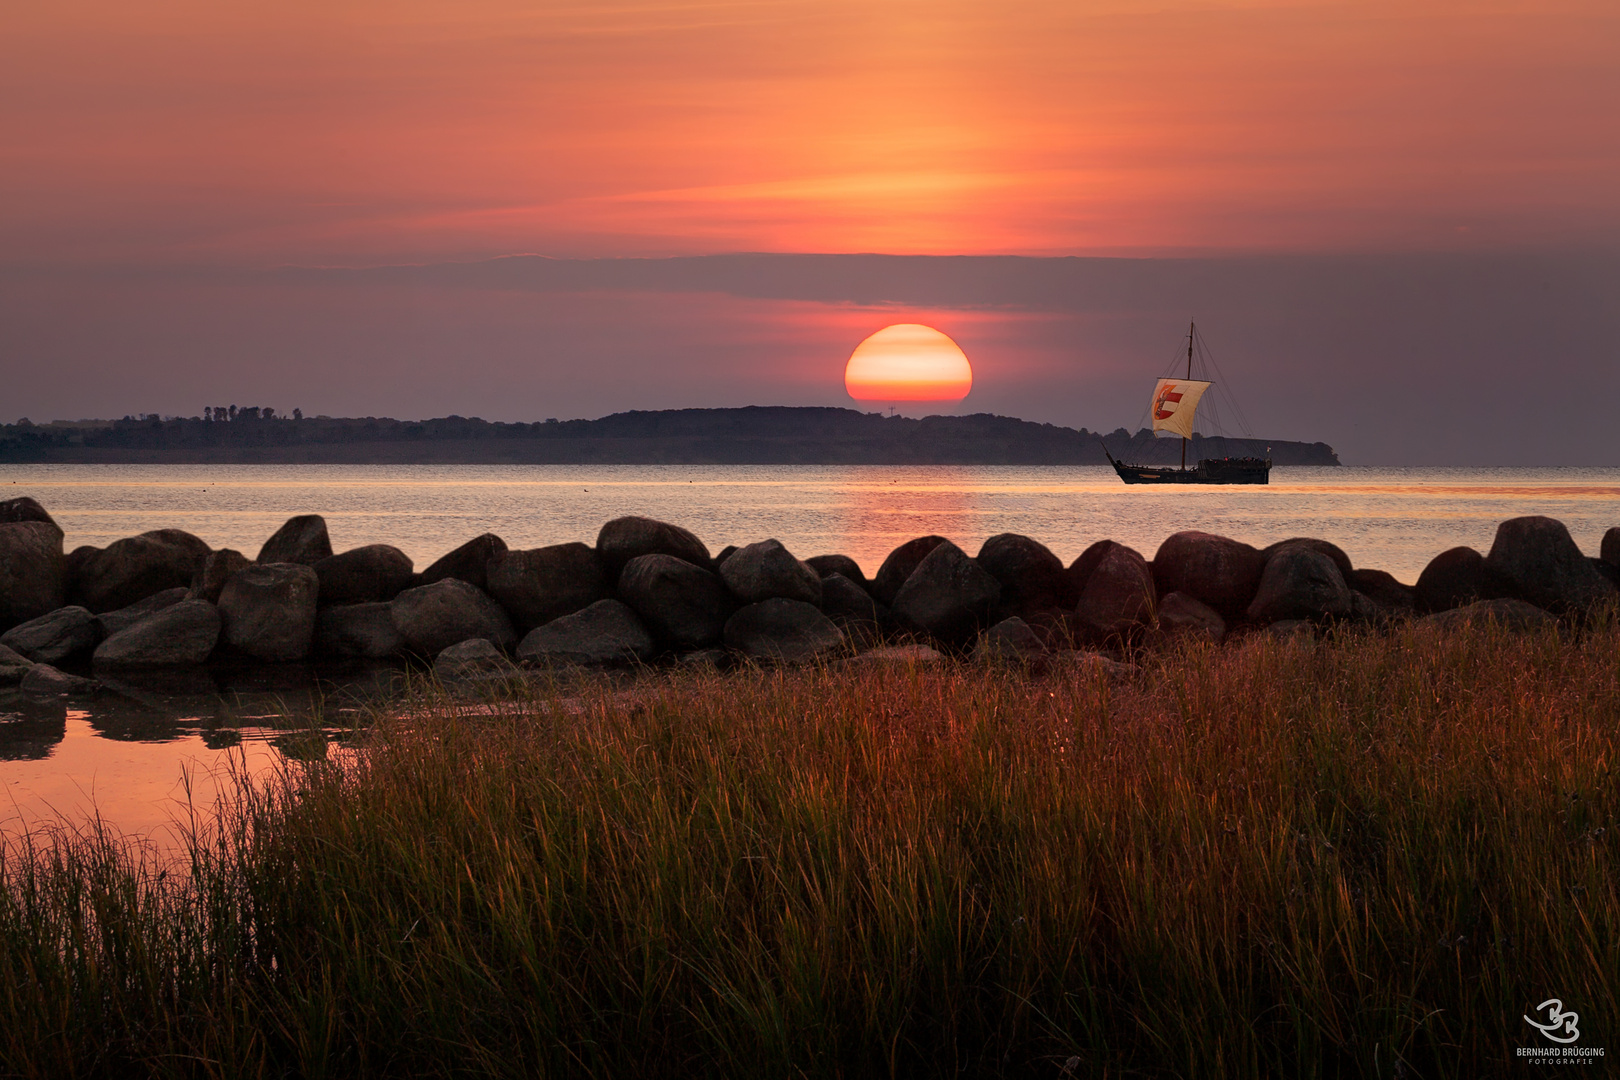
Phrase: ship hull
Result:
[1209,471]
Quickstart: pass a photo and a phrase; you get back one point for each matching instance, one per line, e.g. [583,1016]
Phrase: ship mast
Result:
[1190,326]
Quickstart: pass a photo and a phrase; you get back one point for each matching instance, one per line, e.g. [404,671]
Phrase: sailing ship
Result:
[1175,409]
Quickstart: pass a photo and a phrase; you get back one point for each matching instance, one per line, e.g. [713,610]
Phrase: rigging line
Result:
[1221,384]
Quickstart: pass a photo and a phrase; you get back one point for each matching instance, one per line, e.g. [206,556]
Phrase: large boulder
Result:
[180,634]
[767,569]
[55,636]
[948,595]
[364,575]
[216,570]
[1119,592]
[1458,576]
[681,603]
[111,622]
[268,611]
[627,538]
[826,565]
[136,567]
[13,511]
[1301,582]
[471,659]
[900,564]
[1180,614]
[43,680]
[431,618]
[845,602]
[607,632]
[33,571]
[1609,552]
[303,539]
[469,562]
[1033,580]
[1331,550]
[1506,612]
[1546,567]
[780,629]
[13,666]
[1383,589]
[366,631]
[541,584]
[1220,572]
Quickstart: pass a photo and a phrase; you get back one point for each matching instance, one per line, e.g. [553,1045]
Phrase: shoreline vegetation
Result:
[658,812]
[775,435]
[1366,854]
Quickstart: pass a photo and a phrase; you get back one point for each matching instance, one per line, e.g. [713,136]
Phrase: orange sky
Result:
[345,131]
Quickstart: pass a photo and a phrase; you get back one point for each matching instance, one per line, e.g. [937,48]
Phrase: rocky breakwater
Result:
[649,591]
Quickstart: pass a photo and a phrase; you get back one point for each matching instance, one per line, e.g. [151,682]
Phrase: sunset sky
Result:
[1405,212]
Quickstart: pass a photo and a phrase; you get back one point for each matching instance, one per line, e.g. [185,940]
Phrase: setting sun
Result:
[908,362]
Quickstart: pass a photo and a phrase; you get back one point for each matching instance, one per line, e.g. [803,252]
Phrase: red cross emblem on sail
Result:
[1167,392]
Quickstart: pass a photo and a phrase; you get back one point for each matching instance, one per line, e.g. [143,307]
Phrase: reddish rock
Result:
[899,566]
[538,585]
[627,538]
[1119,592]
[1214,570]
[301,540]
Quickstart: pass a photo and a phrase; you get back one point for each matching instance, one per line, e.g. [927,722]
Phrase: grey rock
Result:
[1009,641]
[826,565]
[1456,577]
[1215,570]
[767,569]
[846,602]
[13,666]
[33,571]
[216,570]
[1300,583]
[54,637]
[470,659]
[782,630]
[469,562]
[431,618]
[1331,550]
[948,595]
[43,680]
[1509,613]
[624,539]
[180,634]
[303,540]
[1180,614]
[680,603]
[1032,579]
[129,570]
[372,574]
[111,622]
[364,631]
[541,584]
[1119,593]
[900,565]
[1546,567]
[23,509]
[268,611]
[1382,589]
[607,632]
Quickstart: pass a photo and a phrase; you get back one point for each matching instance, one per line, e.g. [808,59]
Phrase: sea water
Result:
[124,754]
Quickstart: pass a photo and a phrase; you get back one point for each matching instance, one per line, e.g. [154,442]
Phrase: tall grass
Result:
[1366,856]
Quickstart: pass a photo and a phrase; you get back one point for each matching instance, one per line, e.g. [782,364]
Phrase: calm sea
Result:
[124,753]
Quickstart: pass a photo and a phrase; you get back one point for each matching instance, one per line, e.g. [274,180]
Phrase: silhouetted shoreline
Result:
[756,435]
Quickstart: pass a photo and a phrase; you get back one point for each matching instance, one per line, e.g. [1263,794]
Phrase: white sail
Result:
[1175,405]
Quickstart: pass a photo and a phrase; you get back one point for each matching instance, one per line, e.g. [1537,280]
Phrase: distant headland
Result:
[756,435]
